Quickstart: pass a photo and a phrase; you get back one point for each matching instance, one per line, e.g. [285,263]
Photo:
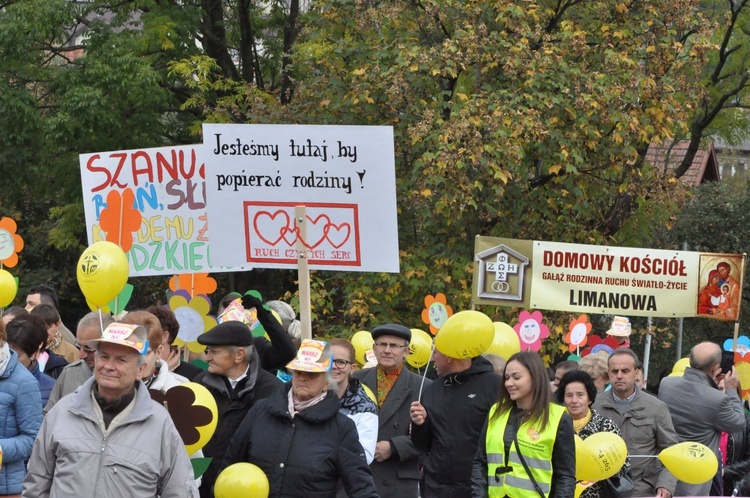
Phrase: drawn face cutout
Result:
[6,244]
[438,315]
[530,332]
[578,334]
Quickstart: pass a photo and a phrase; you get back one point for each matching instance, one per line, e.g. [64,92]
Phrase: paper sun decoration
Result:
[192,315]
[531,330]
[436,311]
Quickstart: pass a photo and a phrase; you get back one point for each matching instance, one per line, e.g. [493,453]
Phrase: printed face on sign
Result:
[530,332]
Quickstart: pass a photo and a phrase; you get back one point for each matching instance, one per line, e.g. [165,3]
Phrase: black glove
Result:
[250,301]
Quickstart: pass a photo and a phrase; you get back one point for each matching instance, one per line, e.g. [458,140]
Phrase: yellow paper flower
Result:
[192,315]
[10,243]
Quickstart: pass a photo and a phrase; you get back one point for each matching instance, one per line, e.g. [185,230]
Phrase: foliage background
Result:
[517,119]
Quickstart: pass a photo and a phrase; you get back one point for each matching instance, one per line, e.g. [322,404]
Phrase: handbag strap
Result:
[526,466]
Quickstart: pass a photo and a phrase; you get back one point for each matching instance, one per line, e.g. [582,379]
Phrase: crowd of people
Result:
[79,418]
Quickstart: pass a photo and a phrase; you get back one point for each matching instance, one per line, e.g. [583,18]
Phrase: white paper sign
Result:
[168,189]
[343,175]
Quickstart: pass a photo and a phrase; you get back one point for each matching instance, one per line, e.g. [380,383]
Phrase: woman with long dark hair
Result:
[527,449]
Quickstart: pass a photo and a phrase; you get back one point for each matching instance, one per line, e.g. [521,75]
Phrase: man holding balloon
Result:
[448,421]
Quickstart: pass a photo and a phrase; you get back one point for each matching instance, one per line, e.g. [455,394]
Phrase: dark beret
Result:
[229,333]
[392,329]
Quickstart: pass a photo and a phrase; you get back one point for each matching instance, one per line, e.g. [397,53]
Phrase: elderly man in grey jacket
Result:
[645,424]
[109,438]
[700,411]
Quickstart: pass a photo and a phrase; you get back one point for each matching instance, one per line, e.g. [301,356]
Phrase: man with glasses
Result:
[236,381]
[355,402]
[396,465]
[76,373]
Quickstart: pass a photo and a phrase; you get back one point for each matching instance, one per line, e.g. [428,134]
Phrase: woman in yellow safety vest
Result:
[527,449]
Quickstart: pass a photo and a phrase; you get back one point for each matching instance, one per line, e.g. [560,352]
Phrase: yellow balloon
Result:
[505,342]
[742,370]
[102,272]
[466,334]
[603,455]
[680,366]
[8,288]
[362,342]
[369,393]
[693,463]
[580,450]
[420,348]
[242,480]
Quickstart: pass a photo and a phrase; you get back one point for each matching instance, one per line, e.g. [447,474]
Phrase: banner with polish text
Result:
[607,280]
[166,187]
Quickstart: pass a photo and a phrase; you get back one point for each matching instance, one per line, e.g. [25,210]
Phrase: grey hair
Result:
[288,318]
[92,319]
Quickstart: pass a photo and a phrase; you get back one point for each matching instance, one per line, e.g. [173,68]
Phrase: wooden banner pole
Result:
[303,273]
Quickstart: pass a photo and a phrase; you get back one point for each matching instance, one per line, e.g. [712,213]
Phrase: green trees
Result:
[519,119]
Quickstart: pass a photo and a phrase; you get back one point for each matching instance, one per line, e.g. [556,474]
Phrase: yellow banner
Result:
[608,280]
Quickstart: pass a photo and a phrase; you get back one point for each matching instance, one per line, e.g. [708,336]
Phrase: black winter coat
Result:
[306,456]
[232,408]
[457,406]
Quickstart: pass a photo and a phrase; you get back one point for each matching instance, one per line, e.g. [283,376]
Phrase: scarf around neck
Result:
[581,422]
[296,406]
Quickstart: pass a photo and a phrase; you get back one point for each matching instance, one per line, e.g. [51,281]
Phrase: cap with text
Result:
[124,334]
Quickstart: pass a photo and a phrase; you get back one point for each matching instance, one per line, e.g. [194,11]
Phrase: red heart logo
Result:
[335,233]
[316,231]
[270,227]
[290,235]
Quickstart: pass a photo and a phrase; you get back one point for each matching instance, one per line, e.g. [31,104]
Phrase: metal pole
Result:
[680,322]
[647,350]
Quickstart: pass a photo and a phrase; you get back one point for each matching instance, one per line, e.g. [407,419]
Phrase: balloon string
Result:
[101,322]
[424,376]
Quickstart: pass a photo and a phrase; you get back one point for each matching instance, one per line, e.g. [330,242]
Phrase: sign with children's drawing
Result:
[605,279]
[155,201]
[344,176]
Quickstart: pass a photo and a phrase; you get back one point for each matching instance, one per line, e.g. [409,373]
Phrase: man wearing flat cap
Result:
[109,438]
[236,381]
[396,464]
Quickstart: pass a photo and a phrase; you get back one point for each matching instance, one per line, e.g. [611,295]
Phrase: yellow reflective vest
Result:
[536,448]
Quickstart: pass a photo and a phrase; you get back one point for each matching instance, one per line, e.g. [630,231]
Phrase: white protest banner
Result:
[609,280]
[344,176]
[167,187]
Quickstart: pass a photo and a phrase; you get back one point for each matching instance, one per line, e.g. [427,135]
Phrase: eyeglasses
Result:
[386,345]
[341,363]
[88,350]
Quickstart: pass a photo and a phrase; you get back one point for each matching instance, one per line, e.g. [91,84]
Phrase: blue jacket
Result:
[20,419]
[46,383]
